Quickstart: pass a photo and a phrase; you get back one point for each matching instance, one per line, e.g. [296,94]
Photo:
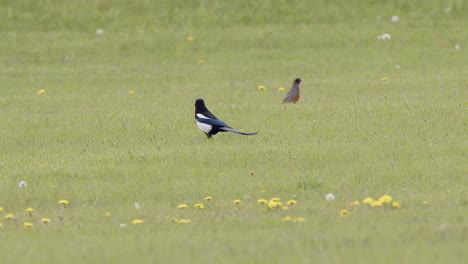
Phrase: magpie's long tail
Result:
[228,129]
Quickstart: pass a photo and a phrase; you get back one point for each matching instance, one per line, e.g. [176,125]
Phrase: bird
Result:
[294,93]
[210,124]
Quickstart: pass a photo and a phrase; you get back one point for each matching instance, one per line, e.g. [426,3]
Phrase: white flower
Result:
[386,36]
[136,205]
[395,19]
[457,46]
[330,197]
[122,225]
[447,10]
[99,31]
[22,184]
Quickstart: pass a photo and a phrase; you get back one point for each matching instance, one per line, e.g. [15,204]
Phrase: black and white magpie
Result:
[210,124]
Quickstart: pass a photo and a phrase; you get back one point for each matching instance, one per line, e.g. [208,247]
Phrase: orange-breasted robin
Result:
[295,93]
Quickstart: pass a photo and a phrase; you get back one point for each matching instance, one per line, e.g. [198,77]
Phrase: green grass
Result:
[89,141]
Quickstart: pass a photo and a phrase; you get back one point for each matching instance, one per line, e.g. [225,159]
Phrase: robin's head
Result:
[297,80]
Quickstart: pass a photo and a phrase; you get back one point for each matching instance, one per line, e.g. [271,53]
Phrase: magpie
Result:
[210,124]
[293,94]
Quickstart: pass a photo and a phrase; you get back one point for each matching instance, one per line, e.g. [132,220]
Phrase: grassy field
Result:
[106,122]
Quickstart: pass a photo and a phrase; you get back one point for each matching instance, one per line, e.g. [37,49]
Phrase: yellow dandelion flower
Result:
[131,92]
[190,38]
[344,213]
[298,220]
[286,219]
[182,206]
[261,88]
[368,200]
[9,216]
[201,62]
[396,204]
[63,202]
[137,221]
[45,220]
[208,198]
[285,207]
[384,78]
[385,199]
[41,92]
[107,214]
[280,89]
[28,224]
[1,209]
[199,206]
[275,199]
[426,202]
[237,201]
[30,211]
[183,221]
[376,204]
[354,203]
[291,202]
[262,201]
[274,204]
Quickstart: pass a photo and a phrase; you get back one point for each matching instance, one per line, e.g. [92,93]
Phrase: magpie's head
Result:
[199,103]
[297,80]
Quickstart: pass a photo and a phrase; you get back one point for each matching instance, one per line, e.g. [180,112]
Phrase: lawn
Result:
[97,108]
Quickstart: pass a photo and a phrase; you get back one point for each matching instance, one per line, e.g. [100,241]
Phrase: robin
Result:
[210,124]
[293,94]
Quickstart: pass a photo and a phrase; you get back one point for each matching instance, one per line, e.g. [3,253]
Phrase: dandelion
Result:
[182,206]
[41,92]
[344,213]
[28,224]
[63,202]
[261,88]
[384,78]
[22,184]
[190,38]
[199,206]
[45,220]
[286,219]
[330,197]
[298,220]
[131,92]
[183,221]
[9,216]
[395,19]
[200,62]
[376,204]
[396,204]
[136,205]
[137,221]
[384,36]
[354,203]
[122,225]
[291,202]
[280,89]
[262,201]
[426,203]
[99,31]
[30,211]
[274,203]
[1,209]
[368,200]
[208,198]
[107,214]
[237,201]
[457,46]
[385,199]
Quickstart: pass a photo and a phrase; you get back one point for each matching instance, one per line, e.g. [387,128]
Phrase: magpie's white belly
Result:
[204,127]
